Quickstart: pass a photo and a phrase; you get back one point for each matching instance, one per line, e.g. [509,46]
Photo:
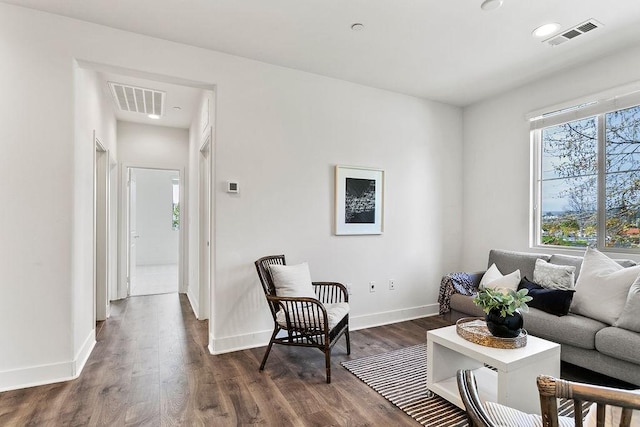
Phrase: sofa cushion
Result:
[571,329]
[619,343]
[509,261]
[576,261]
[602,288]
[552,276]
[630,317]
[464,304]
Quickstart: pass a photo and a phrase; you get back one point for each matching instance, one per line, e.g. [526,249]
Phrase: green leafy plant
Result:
[507,302]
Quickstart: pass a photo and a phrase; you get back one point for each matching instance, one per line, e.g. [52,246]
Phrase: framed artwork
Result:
[359,200]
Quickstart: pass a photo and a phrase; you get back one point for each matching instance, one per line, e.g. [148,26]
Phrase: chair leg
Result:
[327,362]
[266,353]
[346,336]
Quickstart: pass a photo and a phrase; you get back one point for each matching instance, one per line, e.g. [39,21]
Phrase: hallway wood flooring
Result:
[151,367]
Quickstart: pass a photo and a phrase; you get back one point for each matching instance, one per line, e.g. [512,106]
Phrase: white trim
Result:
[193,301]
[617,98]
[83,354]
[261,338]
[33,376]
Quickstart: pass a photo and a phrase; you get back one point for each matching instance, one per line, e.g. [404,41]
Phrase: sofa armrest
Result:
[457,283]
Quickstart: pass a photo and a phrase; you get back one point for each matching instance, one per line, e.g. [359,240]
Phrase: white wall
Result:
[497,154]
[279,132]
[158,241]
[149,146]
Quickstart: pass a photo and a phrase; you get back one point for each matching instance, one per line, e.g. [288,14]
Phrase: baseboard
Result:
[239,342]
[83,354]
[261,338]
[393,316]
[194,303]
[33,376]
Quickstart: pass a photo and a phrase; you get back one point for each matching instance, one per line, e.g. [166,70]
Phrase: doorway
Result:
[101,181]
[154,231]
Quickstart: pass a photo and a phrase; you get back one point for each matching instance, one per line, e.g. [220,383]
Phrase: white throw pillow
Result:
[630,317]
[552,276]
[494,279]
[292,280]
[602,287]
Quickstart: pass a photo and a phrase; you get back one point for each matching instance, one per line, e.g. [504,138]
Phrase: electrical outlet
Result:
[392,285]
[349,290]
[372,286]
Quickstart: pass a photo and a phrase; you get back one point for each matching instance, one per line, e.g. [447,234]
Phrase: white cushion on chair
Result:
[292,280]
[335,313]
[505,416]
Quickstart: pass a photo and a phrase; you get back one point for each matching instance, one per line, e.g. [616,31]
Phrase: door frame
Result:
[205,224]
[123,241]
[101,232]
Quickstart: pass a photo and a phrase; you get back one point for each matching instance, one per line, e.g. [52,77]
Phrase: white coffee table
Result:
[514,382]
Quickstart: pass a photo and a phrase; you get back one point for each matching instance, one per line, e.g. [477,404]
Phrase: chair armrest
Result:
[302,313]
[331,292]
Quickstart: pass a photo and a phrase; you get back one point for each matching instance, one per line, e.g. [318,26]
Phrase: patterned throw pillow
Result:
[553,276]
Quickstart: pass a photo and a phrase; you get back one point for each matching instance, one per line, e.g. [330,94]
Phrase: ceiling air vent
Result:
[137,99]
[574,32]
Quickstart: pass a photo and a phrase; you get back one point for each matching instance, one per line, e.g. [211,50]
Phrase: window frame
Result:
[594,106]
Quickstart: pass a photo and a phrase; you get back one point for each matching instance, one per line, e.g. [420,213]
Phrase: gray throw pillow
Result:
[553,276]
[630,317]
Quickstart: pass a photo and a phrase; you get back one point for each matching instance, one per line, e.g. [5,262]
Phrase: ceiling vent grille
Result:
[574,32]
[137,99]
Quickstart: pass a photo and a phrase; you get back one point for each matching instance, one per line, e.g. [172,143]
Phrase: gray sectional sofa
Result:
[584,341]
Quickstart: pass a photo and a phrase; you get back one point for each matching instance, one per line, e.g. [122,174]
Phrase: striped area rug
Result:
[400,376]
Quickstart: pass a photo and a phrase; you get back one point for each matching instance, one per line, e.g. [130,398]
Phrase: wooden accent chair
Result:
[305,320]
[550,390]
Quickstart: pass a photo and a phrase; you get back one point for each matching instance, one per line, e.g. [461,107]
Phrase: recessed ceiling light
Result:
[153,116]
[546,29]
[490,4]
[357,27]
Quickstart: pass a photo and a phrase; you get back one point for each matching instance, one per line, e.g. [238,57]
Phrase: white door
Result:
[133,234]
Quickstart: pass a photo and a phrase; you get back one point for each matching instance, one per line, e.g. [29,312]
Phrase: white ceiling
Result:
[446,50]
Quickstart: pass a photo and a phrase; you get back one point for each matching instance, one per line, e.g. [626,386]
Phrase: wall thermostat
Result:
[233,187]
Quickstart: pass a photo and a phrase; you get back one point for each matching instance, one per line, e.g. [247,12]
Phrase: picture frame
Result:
[359,200]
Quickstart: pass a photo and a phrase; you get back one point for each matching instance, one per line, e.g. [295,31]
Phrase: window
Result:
[587,178]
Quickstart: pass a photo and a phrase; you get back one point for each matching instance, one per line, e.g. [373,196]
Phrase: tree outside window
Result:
[590,181]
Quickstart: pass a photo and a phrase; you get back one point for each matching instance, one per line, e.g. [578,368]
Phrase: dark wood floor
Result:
[151,367]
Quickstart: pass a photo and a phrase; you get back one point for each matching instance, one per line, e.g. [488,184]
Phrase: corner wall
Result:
[279,132]
[497,183]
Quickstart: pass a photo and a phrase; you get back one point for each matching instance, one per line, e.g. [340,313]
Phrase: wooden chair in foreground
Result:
[308,322]
[494,415]
[552,388]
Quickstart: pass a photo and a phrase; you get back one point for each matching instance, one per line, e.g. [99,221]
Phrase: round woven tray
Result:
[475,329]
